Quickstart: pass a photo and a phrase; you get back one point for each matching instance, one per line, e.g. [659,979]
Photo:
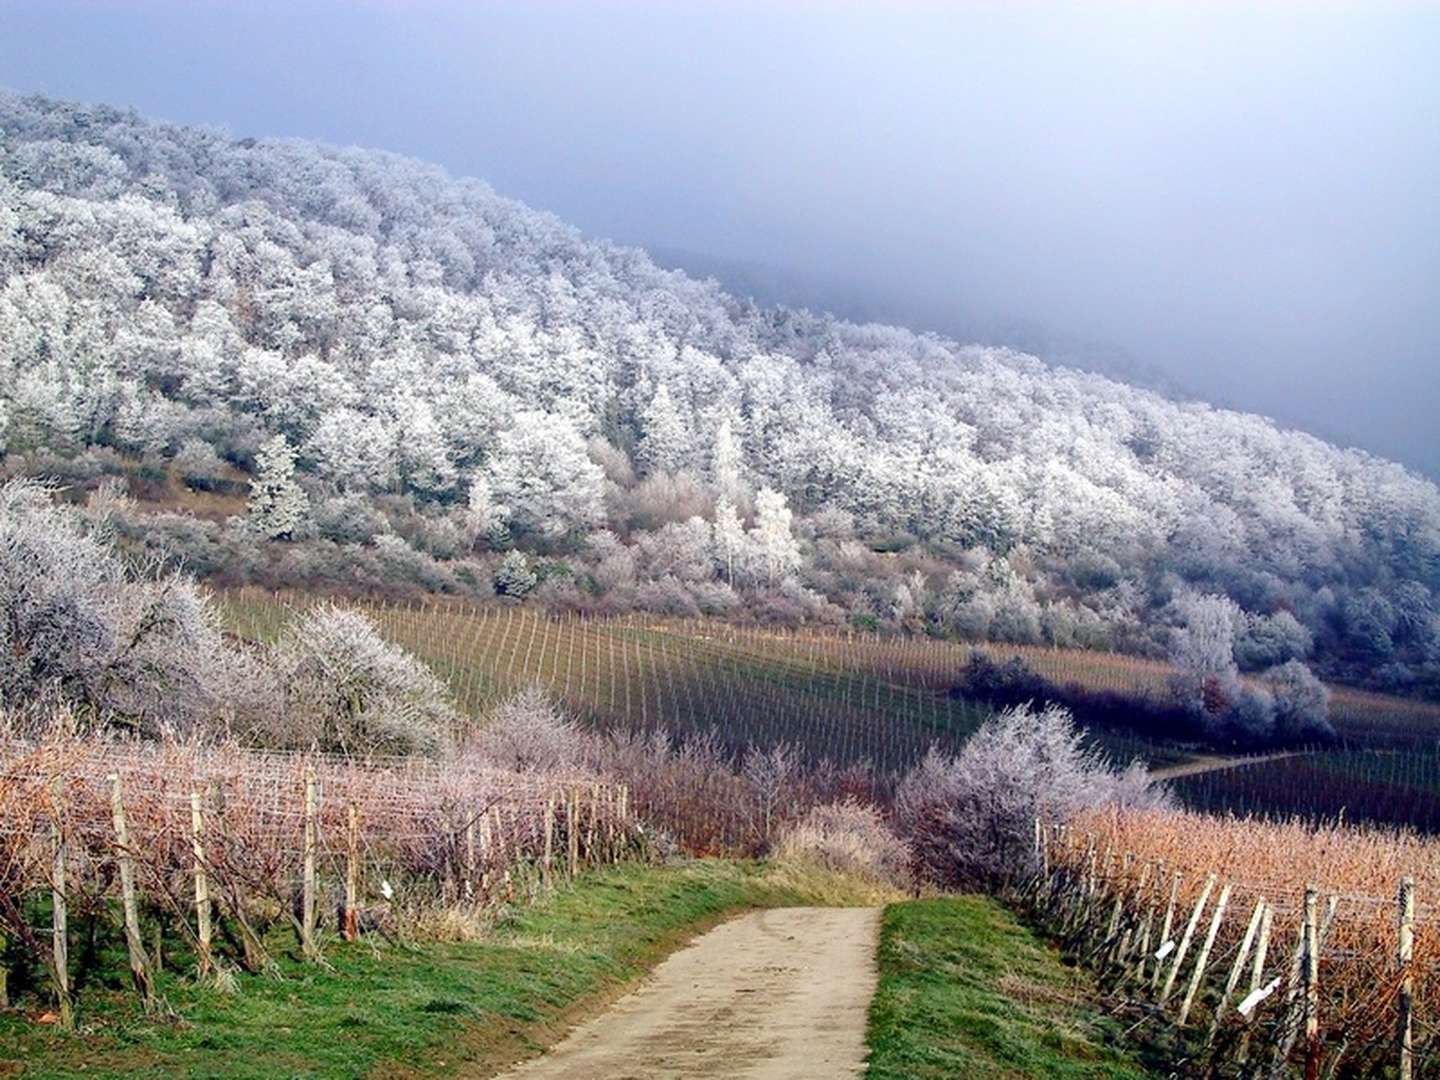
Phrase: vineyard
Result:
[1388,787]
[1252,945]
[206,852]
[844,696]
[846,699]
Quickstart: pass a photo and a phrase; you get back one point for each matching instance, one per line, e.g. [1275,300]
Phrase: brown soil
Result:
[772,995]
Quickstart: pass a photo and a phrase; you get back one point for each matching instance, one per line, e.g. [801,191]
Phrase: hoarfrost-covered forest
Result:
[396,380]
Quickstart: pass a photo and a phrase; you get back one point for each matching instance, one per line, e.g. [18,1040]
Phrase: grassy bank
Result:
[431,1010]
[966,991]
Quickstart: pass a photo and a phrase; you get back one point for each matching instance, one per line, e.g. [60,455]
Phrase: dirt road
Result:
[1214,763]
[772,995]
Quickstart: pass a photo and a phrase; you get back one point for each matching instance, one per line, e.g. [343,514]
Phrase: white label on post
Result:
[1165,950]
[1255,997]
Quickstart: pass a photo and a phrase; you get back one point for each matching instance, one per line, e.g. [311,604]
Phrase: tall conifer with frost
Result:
[729,534]
[277,503]
[664,441]
[775,544]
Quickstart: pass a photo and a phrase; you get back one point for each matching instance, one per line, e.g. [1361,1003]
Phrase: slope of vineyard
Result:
[843,699]
[846,697]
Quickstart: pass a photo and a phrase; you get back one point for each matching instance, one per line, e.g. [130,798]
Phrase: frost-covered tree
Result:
[514,577]
[484,517]
[278,505]
[354,450]
[725,462]
[1202,649]
[970,819]
[1302,703]
[729,538]
[145,655]
[348,690]
[664,436]
[543,474]
[777,552]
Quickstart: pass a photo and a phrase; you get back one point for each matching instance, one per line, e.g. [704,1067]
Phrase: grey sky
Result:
[1247,197]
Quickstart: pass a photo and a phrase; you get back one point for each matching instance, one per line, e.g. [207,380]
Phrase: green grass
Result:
[432,1010]
[966,991]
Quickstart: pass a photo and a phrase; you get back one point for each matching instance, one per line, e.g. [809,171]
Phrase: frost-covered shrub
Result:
[199,466]
[714,597]
[75,630]
[1268,640]
[848,836]
[1302,703]
[527,732]
[513,577]
[665,597]
[402,563]
[970,819]
[348,690]
[348,519]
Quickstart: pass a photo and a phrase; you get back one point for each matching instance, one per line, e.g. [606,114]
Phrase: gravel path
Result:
[781,994]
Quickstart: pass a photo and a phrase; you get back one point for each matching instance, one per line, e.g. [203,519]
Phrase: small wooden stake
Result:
[572,830]
[1257,973]
[1405,1021]
[1186,938]
[549,834]
[352,876]
[139,964]
[307,896]
[1204,957]
[1165,927]
[470,858]
[1237,968]
[202,886]
[60,941]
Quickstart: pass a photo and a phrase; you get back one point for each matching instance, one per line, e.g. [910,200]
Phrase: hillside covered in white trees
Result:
[407,381]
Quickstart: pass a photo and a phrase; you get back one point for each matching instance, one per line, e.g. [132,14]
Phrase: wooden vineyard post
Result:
[485,847]
[1237,968]
[470,858]
[139,965]
[591,836]
[1204,958]
[1297,1012]
[352,875]
[1310,984]
[1186,938]
[1165,926]
[549,836]
[1406,1019]
[307,895]
[1257,972]
[202,886]
[572,830]
[60,943]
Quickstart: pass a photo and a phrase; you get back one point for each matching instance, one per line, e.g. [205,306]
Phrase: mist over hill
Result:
[420,383]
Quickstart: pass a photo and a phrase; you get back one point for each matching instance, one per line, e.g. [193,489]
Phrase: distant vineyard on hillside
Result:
[844,696]
[1398,788]
[845,699]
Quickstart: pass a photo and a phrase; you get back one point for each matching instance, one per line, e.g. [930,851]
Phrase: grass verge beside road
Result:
[966,991]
